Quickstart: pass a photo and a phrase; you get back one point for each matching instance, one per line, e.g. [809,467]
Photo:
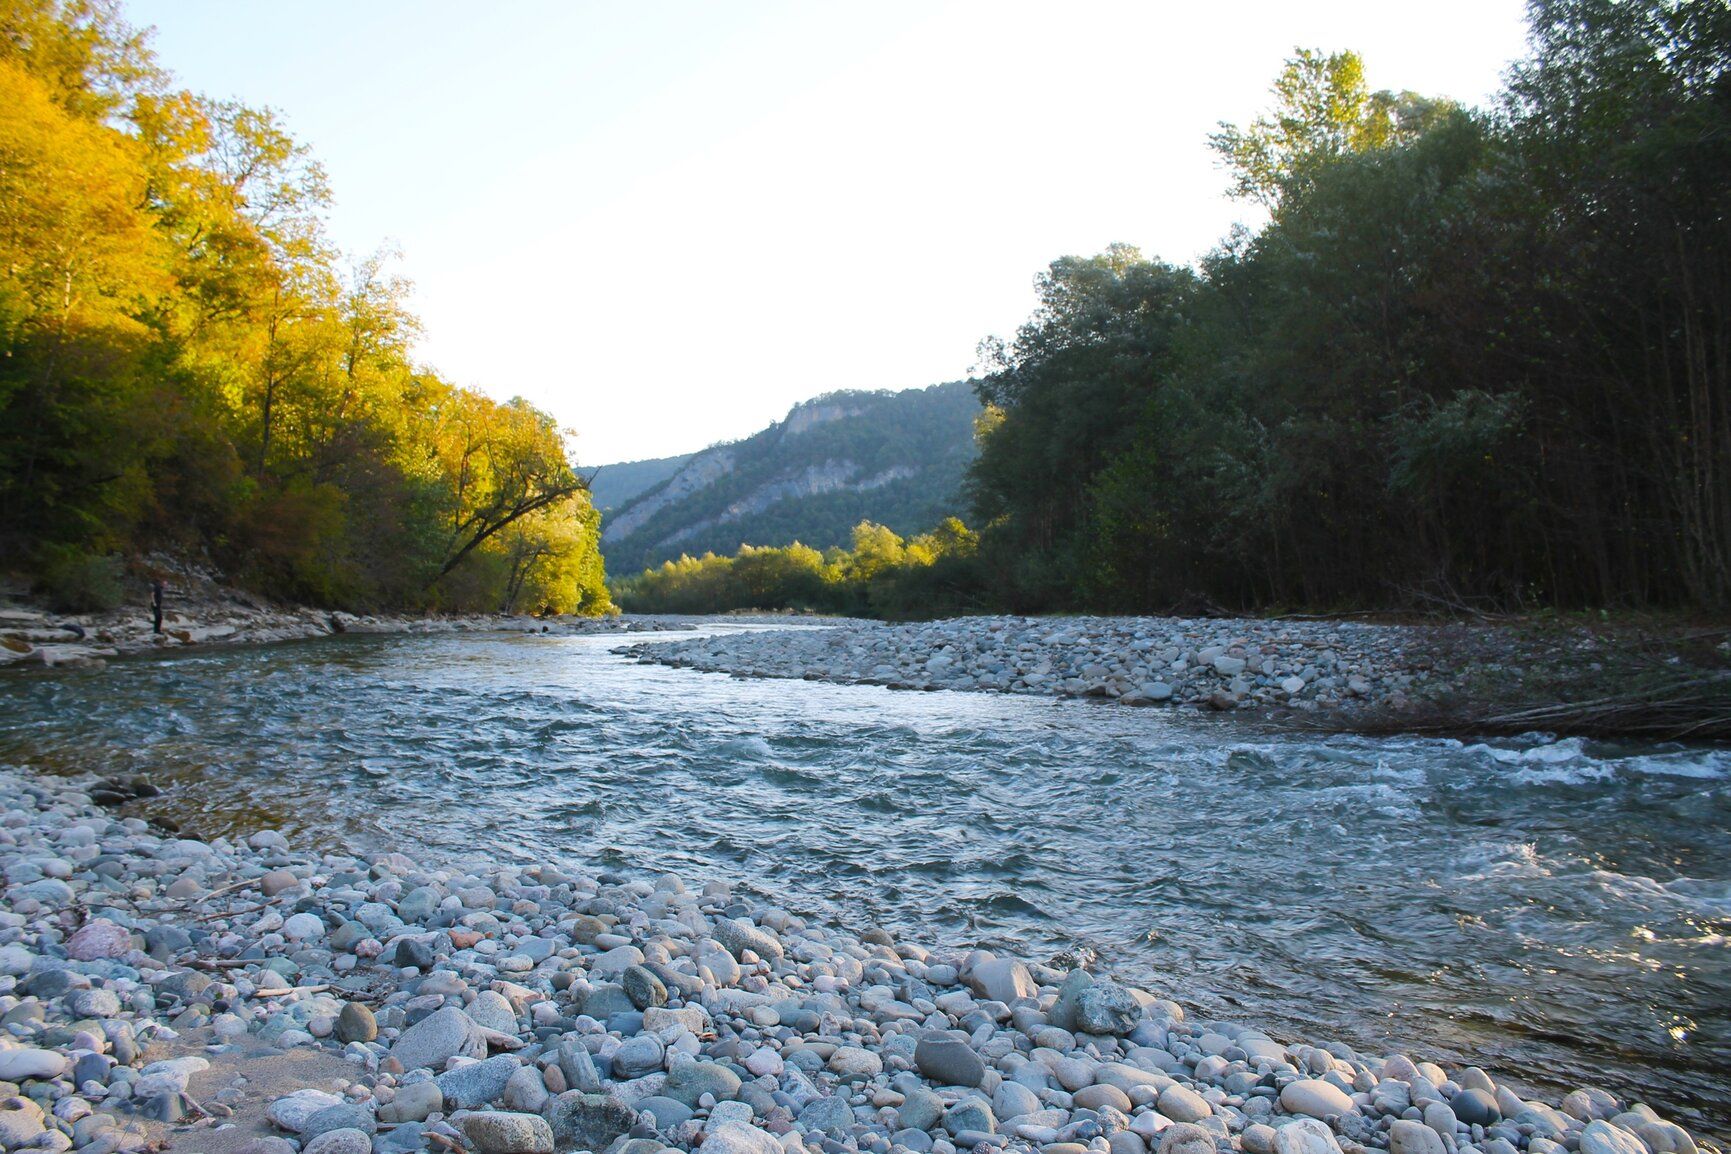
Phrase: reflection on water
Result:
[1556,911]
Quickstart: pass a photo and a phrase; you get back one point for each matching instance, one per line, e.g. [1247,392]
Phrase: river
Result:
[1555,911]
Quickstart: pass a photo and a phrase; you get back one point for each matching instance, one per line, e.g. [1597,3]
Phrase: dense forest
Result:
[1474,357]
[895,458]
[188,367]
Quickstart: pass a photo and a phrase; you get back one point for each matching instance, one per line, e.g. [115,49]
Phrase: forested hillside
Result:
[893,458]
[1475,358]
[188,365]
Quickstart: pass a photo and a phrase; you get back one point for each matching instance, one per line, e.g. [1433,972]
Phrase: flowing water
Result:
[1557,911]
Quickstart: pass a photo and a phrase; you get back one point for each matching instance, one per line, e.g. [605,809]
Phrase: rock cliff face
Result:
[896,458]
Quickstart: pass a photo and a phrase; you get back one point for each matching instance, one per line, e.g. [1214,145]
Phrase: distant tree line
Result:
[187,365]
[1474,356]
[882,575]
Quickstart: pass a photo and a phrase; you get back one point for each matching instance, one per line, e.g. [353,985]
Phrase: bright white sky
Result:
[667,222]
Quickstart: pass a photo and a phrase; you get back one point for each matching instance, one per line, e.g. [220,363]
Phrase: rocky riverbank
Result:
[198,610]
[1302,666]
[242,996]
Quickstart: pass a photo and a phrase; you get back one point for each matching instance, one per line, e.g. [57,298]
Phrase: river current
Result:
[1556,911]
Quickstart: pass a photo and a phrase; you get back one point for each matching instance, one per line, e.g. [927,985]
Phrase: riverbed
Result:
[1554,911]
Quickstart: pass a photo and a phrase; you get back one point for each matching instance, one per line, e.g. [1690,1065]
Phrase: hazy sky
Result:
[667,222]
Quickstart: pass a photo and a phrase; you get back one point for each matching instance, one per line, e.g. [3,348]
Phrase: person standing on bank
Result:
[156,605]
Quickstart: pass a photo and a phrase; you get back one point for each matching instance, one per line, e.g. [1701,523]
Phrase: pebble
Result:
[634,1014]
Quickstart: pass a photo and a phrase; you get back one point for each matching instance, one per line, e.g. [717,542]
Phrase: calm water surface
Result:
[1555,911]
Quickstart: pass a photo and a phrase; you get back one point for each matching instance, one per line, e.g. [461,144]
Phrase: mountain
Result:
[897,458]
[611,486]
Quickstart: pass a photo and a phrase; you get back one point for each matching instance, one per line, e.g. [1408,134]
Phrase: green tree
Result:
[1323,110]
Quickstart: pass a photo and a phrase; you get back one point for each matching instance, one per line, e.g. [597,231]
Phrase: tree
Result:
[1323,110]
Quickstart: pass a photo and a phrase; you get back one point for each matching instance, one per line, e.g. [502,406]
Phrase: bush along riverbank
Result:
[1329,673]
[155,987]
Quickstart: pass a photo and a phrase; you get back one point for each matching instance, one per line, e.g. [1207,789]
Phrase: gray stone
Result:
[93,1003]
[492,1011]
[669,1112]
[525,1092]
[28,1062]
[413,1103]
[1107,1008]
[497,1132]
[970,1114]
[1600,1137]
[419,905]
[855,1063]
[413,954]
[1095,1097]
[1012,1100]
[97,939]
[407,1138]
[342,1116]
[1476,1107]
[1186,1138]
[356,1024]
[947,1058]
[738,1138]
[921,1109]
[1063,1011]
[1182,1104]
[643,988]
[19,1127]
[687,1082]
[475,1085]
[578,1067]
[434,1040]
[605,1000]
[1409,1137]
[291,1111]
[1665,1138]
[1002,980]
[583,1121]
[638,1056]
[738,935]
[340,1142]
[1302,1136]
[830,1115]
[1315,1098]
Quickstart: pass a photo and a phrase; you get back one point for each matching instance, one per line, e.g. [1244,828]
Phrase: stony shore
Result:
[243,996]
[204,612]
[1302,666]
